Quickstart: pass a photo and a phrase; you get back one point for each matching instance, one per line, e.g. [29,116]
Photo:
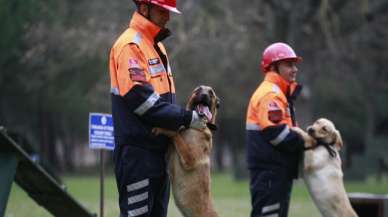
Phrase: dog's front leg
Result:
[309,141]
[185,152]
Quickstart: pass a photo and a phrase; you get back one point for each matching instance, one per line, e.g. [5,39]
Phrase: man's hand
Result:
[160,131]
[198,121]
[310,142]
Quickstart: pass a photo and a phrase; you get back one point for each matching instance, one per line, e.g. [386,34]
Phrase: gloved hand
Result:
[198,121]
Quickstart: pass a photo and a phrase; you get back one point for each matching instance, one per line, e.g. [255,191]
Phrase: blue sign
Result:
[101,131]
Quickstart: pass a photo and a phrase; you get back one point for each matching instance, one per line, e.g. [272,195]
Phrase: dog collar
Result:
[328,146]
[211,126]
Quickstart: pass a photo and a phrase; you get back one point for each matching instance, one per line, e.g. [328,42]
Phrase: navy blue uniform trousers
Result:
[142,182]
[270,192]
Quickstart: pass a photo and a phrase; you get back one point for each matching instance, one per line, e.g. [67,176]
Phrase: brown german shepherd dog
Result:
[189,158]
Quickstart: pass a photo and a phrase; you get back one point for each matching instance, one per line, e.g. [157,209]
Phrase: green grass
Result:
[231,198]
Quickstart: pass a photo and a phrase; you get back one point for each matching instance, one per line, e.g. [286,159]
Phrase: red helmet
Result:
[167,4]
[276,52]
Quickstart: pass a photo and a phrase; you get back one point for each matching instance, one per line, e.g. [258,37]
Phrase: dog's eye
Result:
[197,90]
[324,129]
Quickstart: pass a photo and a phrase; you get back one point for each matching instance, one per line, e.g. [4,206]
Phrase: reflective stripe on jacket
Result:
[142,87]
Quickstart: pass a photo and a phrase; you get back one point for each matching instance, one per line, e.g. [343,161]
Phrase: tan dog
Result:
[322,169]
[189,158]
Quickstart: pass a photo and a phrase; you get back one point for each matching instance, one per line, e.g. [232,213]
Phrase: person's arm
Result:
[141,97]
[275,130]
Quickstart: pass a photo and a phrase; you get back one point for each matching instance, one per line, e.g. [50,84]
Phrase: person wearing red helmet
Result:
[143,97]
[166,4]
[273,148]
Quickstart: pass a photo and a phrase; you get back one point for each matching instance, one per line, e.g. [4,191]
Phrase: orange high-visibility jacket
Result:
[134,53]
[270,117]
[142,86]
[269,105]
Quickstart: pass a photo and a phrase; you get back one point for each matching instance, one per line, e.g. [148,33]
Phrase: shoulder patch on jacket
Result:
[275,113]
[136,73]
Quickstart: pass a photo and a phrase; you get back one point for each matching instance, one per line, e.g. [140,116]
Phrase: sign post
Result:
[101,137]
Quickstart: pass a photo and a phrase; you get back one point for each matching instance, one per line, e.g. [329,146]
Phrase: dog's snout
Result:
[310,130]
[203,95]
[204,98]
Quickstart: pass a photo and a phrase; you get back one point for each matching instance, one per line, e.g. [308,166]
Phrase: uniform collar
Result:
[283,84]
[148,28]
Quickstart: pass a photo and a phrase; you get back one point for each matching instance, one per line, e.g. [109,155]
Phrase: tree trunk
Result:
[68,150]
[47,138]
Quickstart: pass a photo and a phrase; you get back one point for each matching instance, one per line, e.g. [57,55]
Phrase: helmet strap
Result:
[275,67]
[149,6]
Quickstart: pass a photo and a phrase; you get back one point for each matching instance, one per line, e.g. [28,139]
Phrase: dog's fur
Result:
[322,171]
[189,160]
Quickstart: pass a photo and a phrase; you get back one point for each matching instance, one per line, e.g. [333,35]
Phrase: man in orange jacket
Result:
[273,148]
[143,97]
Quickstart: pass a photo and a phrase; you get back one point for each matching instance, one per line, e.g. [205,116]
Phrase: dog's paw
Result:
[309,141]
[301,132]
[160,131]
[156,131]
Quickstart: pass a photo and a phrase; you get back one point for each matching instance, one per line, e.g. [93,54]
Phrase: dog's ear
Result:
[338,140]
[189,105]
[197,89]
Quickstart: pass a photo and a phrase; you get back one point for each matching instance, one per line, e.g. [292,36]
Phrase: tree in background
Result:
[51,67]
